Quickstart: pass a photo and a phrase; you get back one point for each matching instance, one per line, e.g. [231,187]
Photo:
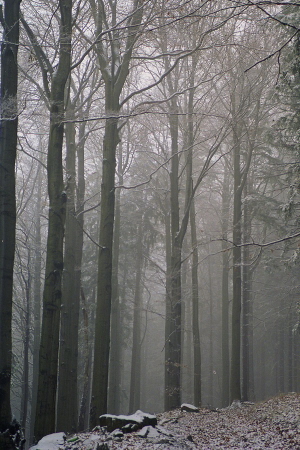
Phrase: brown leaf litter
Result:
[272,424]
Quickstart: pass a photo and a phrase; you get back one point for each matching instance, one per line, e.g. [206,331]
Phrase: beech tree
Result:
[78,103]
[114,65]
[48,356]
[9,19]
[179,221]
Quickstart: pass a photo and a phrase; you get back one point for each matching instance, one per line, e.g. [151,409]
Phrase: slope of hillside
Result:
[272,424]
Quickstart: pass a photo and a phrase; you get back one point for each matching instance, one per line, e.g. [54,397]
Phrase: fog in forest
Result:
[155,258]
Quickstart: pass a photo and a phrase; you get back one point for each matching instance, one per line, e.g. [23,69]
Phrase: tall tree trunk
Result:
[225,289]
[104,287]
[48,357]
[195,316]
[168,305]
[37,303]
[85,398]
[135,380]
[8,146]
[235,381]
[68,358]
[173,341]
[26,343]
[262,368]
[84,405]
[116,326]
[67,398]
[187,334]
[114,79]
[178,231]
[211,328]
[281,361]
[247,313]
[290,342]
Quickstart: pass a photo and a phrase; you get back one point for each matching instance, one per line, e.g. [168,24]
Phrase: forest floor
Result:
[272,424]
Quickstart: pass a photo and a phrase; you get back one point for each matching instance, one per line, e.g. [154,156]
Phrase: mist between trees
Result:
[149,201]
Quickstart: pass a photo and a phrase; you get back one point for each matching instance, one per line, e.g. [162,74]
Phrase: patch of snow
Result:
[236,404]
[91,440]
[117,433]
[50,442]
[148,432]
[189,408]
[138,416]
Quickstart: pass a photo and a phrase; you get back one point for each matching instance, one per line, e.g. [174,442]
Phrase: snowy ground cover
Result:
[273,424]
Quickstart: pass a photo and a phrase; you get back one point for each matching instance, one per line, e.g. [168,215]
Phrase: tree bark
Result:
[103,310]
[247,310]
[135,380]
[195,304]
[225,290]
[281,352]
[37,304]
[114,82]
[211,328]
[116,325]
[235,381]
[83,420]
[48,356]
[67,401]
[173,341]
[178,229]
[8,147]
[168,304]
[84,405]
[25,375]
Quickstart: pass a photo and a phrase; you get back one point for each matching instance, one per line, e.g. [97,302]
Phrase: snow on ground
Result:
[273,424]
[50,442]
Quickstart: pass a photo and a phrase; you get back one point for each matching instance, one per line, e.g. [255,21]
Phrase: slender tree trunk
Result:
[168,306]
[173,342]
[187,334]
[67,398]
[211,327]
[262,369]
[48,357]
[37,304]
[114,82]
[195,316]
[235,382]
[84,403]
[225,290]
[290,353]
[178,231]
[8,146]
[239,105]
[123,306]
[102,330]
[135,380]
[295,369]
[247,322]
[116,326]
[281,353]
[25,376]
